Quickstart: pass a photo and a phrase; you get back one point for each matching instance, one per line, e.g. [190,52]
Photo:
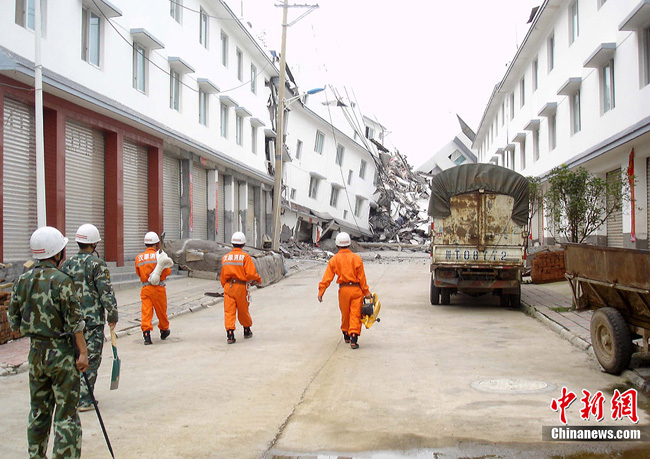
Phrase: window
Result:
[573,22]
[240,65]
[535,134]
[239,130]
[607,86]
[175,90]
[224,121]
[370,132]
[575,112]
[550,46]
[358,204]
[253,79]
[254,139]
[176,9]
[204,22]
[535,74]
[224,49]
[26,14]
[298,149]
[502,113]
[313,187]
[512,105]
[645,57]
[345,214]
[203,108]
[139,68]
[350,176]
[362,169]
[334,197]
[292,194]
[90,37]
[522,154]
[340,151]
[522,92]
[552,132]
[320,140]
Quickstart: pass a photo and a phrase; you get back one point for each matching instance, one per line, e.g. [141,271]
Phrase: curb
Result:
[630,375]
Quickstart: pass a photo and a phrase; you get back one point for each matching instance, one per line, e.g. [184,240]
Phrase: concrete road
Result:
[469,379]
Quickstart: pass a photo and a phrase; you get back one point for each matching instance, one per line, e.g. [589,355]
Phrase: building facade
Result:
[577,92]
[458,151]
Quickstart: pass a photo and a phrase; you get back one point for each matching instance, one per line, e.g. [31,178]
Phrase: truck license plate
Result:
[491,255]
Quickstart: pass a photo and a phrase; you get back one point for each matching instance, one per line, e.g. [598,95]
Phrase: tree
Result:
[577,203]
[535,199]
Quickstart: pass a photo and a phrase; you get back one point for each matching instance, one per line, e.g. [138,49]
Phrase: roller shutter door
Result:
[615,220]
[19,181]
[647,206]
[250,217]
[172,197]
[200,203]
[84,181]
[221,205]
[136,209]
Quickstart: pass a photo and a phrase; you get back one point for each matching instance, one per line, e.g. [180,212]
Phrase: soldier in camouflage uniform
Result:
[45,307]
[93,282]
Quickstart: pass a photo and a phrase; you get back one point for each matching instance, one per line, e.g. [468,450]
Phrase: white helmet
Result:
[238,238]
[47,242]
[151,238]
[343,240]
[87,234]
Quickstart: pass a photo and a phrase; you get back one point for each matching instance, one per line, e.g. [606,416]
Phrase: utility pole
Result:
[279,140]
[41,217]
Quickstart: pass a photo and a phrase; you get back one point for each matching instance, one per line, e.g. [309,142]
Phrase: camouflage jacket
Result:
[44,303]
[93,281]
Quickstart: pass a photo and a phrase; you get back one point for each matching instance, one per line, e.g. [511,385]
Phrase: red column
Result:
[155,189]
[114,197]
[54,151]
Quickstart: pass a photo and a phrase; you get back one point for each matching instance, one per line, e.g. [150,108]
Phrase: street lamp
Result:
[279,145]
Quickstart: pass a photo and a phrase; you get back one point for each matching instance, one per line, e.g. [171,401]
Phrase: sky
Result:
[412,65]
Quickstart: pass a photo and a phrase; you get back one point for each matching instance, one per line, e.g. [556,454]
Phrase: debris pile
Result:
[402,200]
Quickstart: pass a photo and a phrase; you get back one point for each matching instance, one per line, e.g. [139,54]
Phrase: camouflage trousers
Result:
[95,342]
[53,388]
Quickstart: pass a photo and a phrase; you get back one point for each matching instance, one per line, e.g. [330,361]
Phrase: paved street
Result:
[469,379]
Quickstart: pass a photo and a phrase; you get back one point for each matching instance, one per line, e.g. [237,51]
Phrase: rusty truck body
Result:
[479,220]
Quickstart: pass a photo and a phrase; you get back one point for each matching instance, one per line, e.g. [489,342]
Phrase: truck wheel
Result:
[434,293]
[445,295]
[610,338]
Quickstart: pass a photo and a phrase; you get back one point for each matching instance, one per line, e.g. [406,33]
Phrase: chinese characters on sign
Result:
[623,405]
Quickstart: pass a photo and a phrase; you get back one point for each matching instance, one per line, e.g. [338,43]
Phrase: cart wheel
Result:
[610,338]
[434,293]
[445,295]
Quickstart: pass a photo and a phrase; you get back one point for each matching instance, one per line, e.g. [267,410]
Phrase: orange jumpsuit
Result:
[348,266]
[237,268]
[154,297]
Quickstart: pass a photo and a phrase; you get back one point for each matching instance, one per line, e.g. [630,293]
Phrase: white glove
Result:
[163,262]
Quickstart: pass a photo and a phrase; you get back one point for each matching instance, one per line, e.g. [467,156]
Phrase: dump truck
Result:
[479,237]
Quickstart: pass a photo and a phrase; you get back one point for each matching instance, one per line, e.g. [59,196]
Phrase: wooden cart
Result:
[615,283]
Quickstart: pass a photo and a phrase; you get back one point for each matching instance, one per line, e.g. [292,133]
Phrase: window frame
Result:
[176,10]
[552,131]
[362,169]
[575,112]
[175,90]
[340,153]
[358,204]
[239,130]
[204,106]
[204,28]
[253,139]
[535,135]
[223,126]
[607,87]
[298,148]
[319,142]
[334,197]
[535,74]
[350,175]
[88,42]
[253,79]
[574,22]
[240,63]
[224,48]
[313,187]
[522,91]
[140,51]
[550,52]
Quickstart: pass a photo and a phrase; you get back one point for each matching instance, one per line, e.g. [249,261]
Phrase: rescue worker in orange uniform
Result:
[154,297]
[353,287]
[237,273]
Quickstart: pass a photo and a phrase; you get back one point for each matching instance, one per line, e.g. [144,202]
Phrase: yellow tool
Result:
[370,311]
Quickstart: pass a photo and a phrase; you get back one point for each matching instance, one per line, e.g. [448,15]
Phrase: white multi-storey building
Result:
[456,152]
[331,176]
[578,92]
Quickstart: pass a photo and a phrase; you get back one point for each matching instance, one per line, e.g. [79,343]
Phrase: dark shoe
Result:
[86,407]
[353,341]
[346,337]
[231,336]
[164,334]
[248,333]
[147,337]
